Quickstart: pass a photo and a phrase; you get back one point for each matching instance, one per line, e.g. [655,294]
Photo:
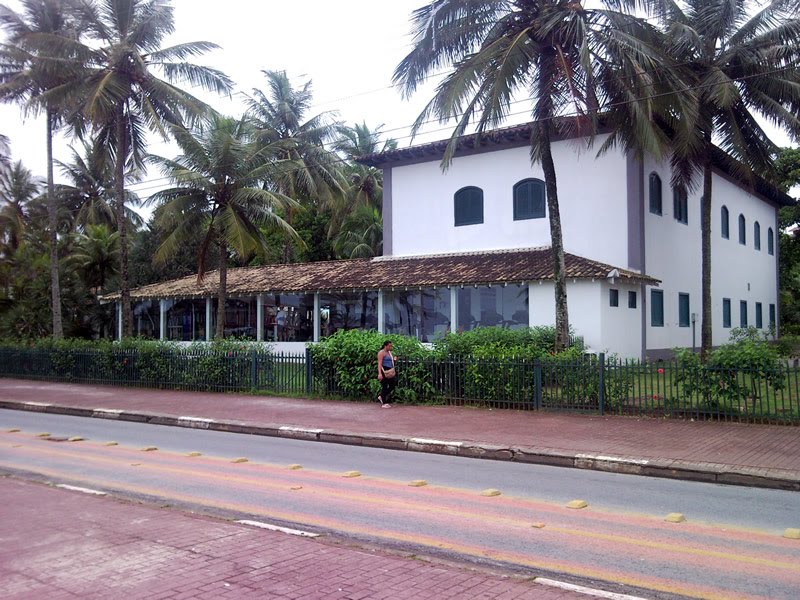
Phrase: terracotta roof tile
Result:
[506,266]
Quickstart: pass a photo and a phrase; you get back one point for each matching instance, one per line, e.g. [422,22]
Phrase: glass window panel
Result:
[683,310]
[186,320]
[772,317]
[759,316]
[503,306]
[726,312]
[424,314]
[742,313]
[742,230]
[725,225]
[656,308]
[288,317]
[770,242]
[756,236]
[147,319]
[529,199]
[631,299]
[358,310]
[613,297]
[655,194]
[241,318]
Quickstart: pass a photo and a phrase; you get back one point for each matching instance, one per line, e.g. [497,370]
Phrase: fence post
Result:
[309,371]
[601,392]
[254,369]
[537,384]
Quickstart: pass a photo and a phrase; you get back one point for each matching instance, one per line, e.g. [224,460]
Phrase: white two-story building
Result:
[469,246]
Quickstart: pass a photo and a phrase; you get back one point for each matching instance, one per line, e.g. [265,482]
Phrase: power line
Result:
[345,161]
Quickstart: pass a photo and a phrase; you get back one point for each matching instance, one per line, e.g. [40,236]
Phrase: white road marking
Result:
[300,429]
[41,404]
[635,461]
[439,442]
[73,488]
[585,590]
[278,528]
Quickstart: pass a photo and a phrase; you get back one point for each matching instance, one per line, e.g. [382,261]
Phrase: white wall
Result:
[673,255]
[621,326]
[592,198]
[603,329]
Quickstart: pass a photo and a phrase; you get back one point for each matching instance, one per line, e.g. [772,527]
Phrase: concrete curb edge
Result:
[666,468]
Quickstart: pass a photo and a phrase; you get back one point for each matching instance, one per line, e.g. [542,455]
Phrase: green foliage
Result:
[735,372]
[531,342]
[346,364]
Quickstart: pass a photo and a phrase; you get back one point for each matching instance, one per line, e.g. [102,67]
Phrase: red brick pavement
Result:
[763,447]
[57,544]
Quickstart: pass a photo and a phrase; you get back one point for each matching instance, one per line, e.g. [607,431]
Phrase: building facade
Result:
[469,246]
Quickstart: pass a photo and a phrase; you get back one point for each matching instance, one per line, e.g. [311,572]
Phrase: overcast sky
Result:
[348,48]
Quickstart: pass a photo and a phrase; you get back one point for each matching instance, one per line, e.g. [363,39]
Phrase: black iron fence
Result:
[592,383]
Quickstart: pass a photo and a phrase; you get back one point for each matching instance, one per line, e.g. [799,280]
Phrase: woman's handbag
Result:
[389,373]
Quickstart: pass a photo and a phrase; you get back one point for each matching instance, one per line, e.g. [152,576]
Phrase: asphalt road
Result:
[729,547]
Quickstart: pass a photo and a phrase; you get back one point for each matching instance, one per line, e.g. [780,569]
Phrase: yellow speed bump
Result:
[577,504]
[490,492]
[675,518]
[418,483]
[149,449]
[12,430]
[352,474]
[241,459]
[294,488]
[193,454]
[792,534]
[136,464]
[537,525]
[42,435]
[294,467]
[75,438]
[111,444]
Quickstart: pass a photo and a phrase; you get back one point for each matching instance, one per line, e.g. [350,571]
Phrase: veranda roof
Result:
[474,268]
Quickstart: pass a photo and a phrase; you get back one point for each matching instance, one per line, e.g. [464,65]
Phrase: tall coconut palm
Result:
[741,59]
[5,153]
[124,93]
[281,116]
[29,68]
[89,195]
[361,235]
[18,187]
[219,190]
[575,64]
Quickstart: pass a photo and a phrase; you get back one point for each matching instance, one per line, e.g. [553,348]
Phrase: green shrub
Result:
[345,364]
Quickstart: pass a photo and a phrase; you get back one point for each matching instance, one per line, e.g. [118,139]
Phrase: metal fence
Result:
[591,384]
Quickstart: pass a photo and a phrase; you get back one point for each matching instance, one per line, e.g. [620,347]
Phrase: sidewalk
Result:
[59,544]
[753,455]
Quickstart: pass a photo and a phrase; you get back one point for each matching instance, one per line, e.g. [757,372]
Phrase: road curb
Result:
[666,468]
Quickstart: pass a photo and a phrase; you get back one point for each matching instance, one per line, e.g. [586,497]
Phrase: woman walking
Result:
[387,374]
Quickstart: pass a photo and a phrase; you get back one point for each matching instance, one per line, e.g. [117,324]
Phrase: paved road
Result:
[634,546]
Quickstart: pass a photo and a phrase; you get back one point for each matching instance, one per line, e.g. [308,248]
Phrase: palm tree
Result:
[28,70]
[123,96]
[576,64]
[90,194]
[18,187]
[219,190]
[281,116]
[742,60]
[96,254]
[361,235]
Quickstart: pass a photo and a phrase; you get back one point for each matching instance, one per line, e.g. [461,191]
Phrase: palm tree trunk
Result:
[119,184]
[559,263]
[222,290]
[705,226]
[52,217]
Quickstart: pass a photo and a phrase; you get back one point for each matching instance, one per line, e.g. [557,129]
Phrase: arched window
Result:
[468,206]
[742,230]
[680,204]
[724,225]
[655,194]
[529,199]
[757,236]
[770,242]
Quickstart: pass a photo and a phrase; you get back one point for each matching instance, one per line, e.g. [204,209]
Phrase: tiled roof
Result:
[506,266]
